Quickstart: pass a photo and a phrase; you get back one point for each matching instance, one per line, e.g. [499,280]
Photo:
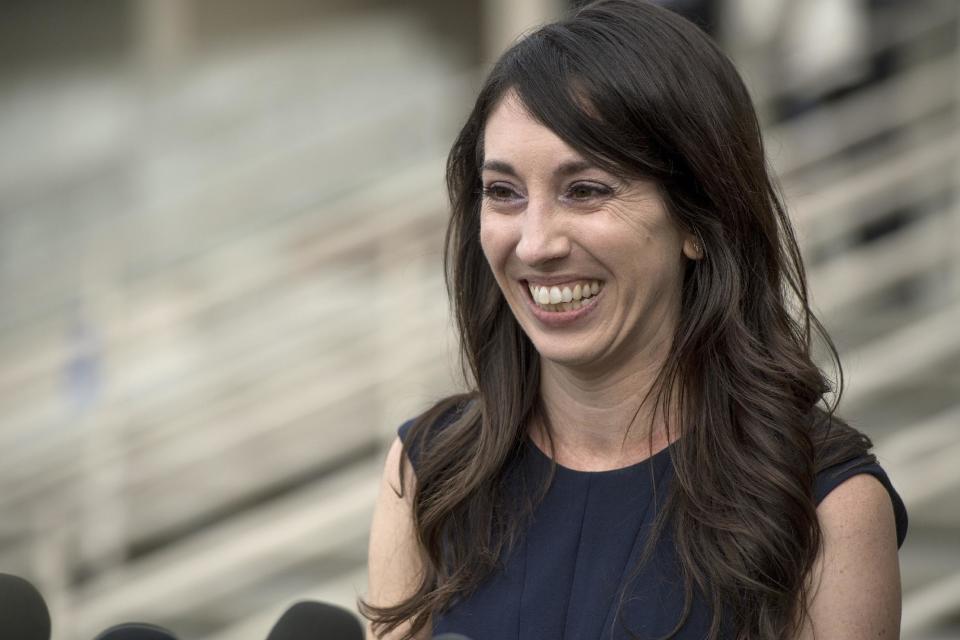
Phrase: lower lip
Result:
[558,319]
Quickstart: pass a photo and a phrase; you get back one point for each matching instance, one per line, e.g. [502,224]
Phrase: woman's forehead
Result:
[512,135]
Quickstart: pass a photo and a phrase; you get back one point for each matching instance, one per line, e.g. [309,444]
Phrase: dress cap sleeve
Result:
[413,446]
[832,477]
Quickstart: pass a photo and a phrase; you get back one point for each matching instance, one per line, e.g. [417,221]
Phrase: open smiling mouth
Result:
[568,297]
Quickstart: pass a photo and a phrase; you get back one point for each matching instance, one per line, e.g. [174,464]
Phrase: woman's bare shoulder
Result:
[394,559]
[855,584]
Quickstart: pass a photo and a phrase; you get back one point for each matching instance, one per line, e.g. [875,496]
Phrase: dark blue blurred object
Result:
[136,631]
[23,613]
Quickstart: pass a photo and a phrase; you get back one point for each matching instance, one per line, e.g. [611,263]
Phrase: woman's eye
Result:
[498,192]
[587,191]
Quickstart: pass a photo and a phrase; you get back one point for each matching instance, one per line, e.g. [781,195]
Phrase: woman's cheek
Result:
[495,239]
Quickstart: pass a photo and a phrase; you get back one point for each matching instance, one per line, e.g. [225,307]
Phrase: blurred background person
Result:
[219,262]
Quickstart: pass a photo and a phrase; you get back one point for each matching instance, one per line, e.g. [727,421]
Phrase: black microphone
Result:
[136,631]
[23,613]
[309,620]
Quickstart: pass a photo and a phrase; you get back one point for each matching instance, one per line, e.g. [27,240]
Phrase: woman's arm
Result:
[855,582]
[393,561]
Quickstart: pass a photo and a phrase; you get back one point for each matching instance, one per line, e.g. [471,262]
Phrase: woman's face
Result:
[590,264]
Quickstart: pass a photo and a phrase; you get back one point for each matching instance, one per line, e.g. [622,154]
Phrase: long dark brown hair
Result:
[645,94]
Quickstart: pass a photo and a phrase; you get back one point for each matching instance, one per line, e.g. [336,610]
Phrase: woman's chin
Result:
[567,356]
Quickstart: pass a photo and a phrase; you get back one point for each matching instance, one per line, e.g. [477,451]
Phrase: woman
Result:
[647,451]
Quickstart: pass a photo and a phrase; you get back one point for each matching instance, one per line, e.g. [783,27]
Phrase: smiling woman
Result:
[647,450]
[554,226]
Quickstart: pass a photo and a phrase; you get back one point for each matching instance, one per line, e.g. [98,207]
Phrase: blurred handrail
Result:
[833,211]
[376,211]
[927,340]
[867,269]
[185,438]
[233,182]
[53,464]
[313,520]
[908,96]
[923,458]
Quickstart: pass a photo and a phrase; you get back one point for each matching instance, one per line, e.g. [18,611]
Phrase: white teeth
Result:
[564,298]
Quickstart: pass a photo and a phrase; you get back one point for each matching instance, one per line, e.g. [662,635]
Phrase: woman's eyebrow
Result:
[565,169]
[500,167]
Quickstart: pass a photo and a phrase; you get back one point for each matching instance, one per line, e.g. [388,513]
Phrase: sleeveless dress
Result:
[566,578]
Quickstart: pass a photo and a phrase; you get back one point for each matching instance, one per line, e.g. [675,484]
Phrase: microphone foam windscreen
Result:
[136,631]
[23,613]
[316,620]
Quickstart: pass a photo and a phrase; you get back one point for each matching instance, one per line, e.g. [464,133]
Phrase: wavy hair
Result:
[644,93]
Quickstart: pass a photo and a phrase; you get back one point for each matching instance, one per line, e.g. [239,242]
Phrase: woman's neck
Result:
[600,421]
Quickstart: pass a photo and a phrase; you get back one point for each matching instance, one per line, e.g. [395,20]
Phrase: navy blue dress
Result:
[566,577]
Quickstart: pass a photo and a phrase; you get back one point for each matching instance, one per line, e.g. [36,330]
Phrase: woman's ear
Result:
[692,248]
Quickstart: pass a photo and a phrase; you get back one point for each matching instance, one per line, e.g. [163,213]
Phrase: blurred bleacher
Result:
[222,293]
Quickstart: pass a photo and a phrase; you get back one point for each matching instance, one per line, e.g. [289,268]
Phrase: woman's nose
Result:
[542,236]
